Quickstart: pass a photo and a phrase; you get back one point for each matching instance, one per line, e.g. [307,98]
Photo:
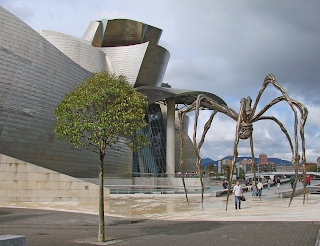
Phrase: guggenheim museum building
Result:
[37,68]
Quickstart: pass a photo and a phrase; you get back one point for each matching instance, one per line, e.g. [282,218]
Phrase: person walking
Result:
[260,186]
[278,182]
[253,188]
[238,192]
[292,179]
[269,183]
[308,180]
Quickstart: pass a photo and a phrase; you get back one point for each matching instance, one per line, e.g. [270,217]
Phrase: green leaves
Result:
[96,113]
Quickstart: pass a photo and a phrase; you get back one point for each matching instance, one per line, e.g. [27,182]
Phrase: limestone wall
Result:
[24,182]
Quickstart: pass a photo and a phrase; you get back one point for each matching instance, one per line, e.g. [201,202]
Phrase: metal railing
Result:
[162,175]
[152,189]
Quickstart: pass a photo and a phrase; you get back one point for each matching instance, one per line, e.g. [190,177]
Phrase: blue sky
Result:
[223,47]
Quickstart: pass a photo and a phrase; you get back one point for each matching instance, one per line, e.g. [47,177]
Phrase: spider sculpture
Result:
[245,118]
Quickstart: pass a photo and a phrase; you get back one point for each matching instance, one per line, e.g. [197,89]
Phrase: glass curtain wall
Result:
[151,160]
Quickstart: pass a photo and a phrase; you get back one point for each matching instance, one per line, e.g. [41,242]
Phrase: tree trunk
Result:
[101,236]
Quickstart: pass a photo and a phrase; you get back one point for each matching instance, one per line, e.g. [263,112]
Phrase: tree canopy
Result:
[99,111]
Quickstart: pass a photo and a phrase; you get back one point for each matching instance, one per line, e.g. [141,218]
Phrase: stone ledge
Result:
[297,192]
[12,240]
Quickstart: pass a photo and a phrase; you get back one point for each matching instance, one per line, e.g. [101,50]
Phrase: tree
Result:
[227,170]
[212,169]
[312,168]
[103,111]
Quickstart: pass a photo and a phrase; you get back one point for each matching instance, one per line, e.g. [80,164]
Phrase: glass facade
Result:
[152,159]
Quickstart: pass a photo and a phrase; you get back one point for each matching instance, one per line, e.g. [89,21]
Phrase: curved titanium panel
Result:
[78,50]
[121,32]
[153,66]
[181,96]
[150,34]
[93,33]
[126,60]
[34,77]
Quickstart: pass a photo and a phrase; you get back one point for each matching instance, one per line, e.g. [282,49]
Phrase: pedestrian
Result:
[269,183]
[278,182]
[292,179]
[248,185]
[253,188]
[260,186]
[225,184]
[308,180]
[238,192]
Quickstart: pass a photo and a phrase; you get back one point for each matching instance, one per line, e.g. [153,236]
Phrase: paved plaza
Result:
[169,220]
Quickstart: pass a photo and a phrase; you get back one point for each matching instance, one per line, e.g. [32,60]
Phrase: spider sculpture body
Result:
[244,128]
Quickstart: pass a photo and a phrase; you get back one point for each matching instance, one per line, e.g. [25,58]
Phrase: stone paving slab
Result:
[43,227]
[158,219]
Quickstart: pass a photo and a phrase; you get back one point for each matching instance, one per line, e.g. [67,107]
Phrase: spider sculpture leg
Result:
[197,148]
[304,113]
[254,166]
[235,147]
[295,155]
[217,108]
[196,106]
[270,79]
[181,117]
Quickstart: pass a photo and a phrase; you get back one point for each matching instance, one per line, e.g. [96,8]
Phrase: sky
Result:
[223,47]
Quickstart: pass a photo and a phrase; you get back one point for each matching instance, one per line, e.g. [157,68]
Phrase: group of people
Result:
[256,189]
[292,180]
[308,180]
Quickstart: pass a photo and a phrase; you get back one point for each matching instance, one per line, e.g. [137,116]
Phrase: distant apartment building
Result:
[245,162]
[287,168]
[219,166]
[269,167]
[227,162]
[318,163]
[263,160]
[247,168]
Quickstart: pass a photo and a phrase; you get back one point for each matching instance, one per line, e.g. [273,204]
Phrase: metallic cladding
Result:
[181,96]
[78,50]
[37,70]
[131,47]
[150,34]
[94,33]
[126,60]
[34,77]
[122,32]
[153,66]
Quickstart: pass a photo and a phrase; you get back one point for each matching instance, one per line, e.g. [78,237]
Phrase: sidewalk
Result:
[169,220]
[53,228]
